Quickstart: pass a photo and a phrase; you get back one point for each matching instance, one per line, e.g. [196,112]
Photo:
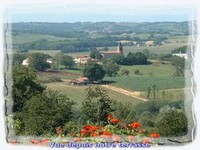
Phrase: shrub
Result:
[125,72]
[137,72]
[173,123]
[45,112]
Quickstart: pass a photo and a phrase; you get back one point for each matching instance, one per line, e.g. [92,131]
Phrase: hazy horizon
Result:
[76,13]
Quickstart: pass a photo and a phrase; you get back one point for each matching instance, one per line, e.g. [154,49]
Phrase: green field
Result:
[49,52]
[171,43]
[78,93]
[28,38]
[160,75]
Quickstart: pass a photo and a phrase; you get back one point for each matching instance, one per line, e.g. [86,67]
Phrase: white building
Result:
[25,62]
[184,55]
[82,59]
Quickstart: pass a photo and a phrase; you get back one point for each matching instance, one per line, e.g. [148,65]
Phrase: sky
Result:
[85,13]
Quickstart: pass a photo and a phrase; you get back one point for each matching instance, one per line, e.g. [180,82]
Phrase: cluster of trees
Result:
[77,29]
[63,60]
[179,50]
[137,58]
[67,46]
[39,61]
[167,118]
[37,110]
[96,72]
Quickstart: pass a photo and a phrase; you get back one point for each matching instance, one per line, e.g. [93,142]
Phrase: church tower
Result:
[120,48]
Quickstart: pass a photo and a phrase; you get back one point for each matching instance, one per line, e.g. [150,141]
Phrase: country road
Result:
[126,92]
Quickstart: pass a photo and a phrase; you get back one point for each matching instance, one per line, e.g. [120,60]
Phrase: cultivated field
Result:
[160,75]
[78,93]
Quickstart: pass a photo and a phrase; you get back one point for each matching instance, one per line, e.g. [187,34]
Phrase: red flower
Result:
[94,134]
[85,132]
[59,130]
[106,133]
[109,117]
[114,120]
[154,135]
[44,141]
[94,128]
[135,125]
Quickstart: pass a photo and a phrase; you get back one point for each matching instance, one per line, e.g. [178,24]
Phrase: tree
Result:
[68,61]
[39,61]
[43,113]
[93,71]
[62,59]
[119,59]
[172,123]
[179,50]
[18,59]
[140,59]
[98,56]
[24,86]
[93,53]
[111,68]
[137,58]
[97,105]
[179,65]
[147,53]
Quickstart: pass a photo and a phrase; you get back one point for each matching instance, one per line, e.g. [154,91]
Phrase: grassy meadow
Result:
[160,75]
[78,93]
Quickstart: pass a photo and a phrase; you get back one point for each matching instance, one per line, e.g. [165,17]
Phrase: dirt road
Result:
[126,92]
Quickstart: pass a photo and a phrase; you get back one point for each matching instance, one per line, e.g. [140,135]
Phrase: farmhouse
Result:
[110,54]
[82,59]
[80,81]
[149,43]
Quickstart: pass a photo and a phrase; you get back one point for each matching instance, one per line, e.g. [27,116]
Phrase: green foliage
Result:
[124,111]
[179,65]
[125,72]
[39,61]
[71,127]
[172,123]
[147,119]
[93,71]
[18,59]
[44,112]
[119,59]
[95,54]
[137,72]
[137,58]
[165,57]
[111,68]
[179,50]
[97,105]
[65,60]
[24,86]
[147,53]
